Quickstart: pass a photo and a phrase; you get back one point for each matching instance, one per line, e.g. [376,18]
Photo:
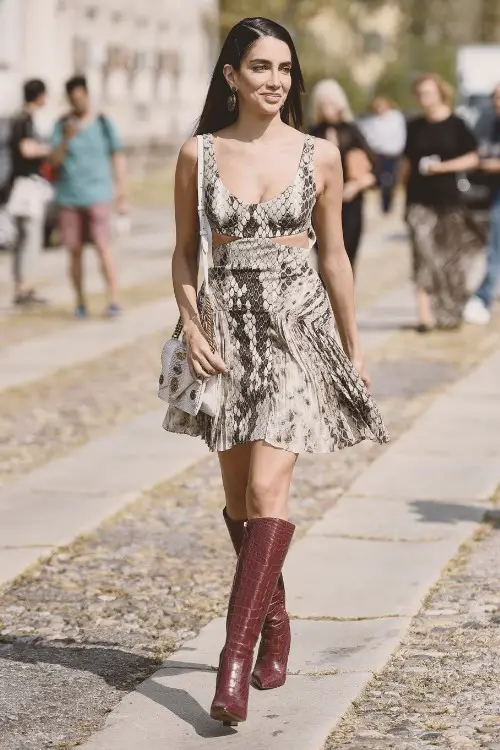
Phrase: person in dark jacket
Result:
[331,117]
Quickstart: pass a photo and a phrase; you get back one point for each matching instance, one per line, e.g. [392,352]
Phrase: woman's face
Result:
[428,94]
[328,110]
[264,78]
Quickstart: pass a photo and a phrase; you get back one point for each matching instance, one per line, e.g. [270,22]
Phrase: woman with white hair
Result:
[331,117]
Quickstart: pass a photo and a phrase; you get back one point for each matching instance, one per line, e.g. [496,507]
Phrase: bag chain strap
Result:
[206,314]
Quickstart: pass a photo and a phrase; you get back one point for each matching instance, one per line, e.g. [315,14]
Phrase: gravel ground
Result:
[441,688]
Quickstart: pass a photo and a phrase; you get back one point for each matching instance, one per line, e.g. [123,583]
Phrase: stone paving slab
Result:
[440,431]
[351,578]
[16,559]
[67,497]
[169,711]
[484,381]
[318,647]
[430,477]
[395,519]
[31,360]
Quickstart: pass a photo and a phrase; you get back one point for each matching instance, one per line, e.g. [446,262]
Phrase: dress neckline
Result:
[259,203]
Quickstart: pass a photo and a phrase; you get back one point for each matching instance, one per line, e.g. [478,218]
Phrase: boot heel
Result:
[229,723]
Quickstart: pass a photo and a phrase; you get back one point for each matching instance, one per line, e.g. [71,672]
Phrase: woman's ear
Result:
[229,75]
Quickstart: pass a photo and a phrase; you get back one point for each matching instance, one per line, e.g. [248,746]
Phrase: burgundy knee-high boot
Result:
[272,658]
[262,554]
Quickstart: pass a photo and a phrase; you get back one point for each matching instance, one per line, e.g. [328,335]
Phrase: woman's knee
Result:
[267,496]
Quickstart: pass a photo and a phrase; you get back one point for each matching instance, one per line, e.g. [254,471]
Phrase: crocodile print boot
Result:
[263,551]
[272,659]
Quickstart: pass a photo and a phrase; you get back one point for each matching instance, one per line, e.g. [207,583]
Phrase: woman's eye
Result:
[259,68]
[287,70]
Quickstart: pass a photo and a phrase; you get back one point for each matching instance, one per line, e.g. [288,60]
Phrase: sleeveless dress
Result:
[290,383]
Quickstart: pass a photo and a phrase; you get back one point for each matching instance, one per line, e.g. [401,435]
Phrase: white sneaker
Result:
[476,313]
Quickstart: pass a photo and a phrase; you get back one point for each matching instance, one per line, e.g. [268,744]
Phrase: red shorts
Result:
[81,225]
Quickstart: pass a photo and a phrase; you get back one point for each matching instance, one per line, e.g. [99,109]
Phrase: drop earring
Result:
[231,100]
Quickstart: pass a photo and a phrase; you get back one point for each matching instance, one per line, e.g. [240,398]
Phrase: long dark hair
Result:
[215,114]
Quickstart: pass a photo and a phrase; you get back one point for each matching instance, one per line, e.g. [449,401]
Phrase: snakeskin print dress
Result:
[290,383]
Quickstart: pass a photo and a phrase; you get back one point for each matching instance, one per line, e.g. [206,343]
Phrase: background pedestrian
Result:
[447,244]
[88,155]
[331,117]
[28,193]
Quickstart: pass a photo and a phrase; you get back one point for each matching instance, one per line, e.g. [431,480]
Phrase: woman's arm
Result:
[460,164]
[333,263]
[404,171]
[31,149]
[202,362]
[490,165]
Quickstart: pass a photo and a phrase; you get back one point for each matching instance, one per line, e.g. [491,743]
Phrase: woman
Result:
[287,386]
[331,118]
[447,245]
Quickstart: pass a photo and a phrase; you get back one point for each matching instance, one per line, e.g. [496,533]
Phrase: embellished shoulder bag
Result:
[177,386]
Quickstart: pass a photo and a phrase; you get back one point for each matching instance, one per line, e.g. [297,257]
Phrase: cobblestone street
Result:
[108,603]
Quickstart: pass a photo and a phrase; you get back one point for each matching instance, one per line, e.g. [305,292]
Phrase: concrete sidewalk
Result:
[354,581]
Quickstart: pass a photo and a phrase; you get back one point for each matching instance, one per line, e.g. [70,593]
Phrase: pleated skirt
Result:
[290,383]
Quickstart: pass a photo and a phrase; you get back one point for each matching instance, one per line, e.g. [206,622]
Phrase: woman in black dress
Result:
[332,118]
[448,247]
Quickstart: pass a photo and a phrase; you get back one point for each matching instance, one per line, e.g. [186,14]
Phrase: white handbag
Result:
[177,386]
[28,197]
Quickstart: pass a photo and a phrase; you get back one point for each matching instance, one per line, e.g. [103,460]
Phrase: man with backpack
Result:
[89,169]
[26,193]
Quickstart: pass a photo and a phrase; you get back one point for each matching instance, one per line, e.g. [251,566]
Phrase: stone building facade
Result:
[148,63]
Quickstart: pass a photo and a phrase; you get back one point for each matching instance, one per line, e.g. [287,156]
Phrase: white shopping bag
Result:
[29,196]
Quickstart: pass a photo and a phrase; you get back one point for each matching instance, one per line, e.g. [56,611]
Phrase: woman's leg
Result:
[265,545]
[269,479]
[271,665]
[424,309]
[235,467]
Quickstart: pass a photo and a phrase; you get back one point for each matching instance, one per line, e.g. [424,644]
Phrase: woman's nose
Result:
[274,78]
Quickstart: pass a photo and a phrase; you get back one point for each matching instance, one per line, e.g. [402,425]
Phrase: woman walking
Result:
[331,117]
[286,385]
[447,245]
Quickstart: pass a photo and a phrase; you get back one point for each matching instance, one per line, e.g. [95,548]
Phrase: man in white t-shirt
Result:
[385,131]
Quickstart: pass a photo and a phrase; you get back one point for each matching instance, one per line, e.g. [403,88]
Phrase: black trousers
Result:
[352,227]
[388,173]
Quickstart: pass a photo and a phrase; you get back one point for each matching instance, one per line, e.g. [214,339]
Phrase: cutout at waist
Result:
[301,240]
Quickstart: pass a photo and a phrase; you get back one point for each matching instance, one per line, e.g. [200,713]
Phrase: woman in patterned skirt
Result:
[287,386]
[448,246]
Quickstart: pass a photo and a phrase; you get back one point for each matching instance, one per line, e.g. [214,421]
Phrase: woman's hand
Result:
[362,371]
[201,360]
[351,189]
[435,167]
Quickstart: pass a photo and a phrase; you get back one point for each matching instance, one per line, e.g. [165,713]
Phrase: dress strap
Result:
[308,167]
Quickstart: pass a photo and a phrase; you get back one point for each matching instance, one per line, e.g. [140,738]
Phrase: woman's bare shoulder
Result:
[326,154]
[188,154]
